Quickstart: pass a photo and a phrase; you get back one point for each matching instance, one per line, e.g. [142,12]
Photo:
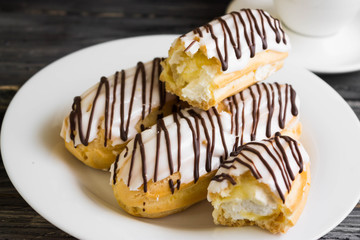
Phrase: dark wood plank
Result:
[35,33]
[346,84]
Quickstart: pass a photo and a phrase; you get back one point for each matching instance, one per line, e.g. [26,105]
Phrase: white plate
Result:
[79,200]
[335,54]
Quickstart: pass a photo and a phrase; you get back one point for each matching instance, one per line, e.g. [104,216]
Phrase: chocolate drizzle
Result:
[115,167]
[207,129]
[138,141]
[278,144]
[197,123]
[223,176]
[284,95]
[251,21]
[221,134]
[115,92]
[76,114]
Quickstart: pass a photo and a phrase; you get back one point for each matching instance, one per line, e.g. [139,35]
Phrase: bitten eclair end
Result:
[225,56]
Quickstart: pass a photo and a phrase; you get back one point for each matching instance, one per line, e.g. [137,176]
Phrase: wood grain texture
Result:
[36,33]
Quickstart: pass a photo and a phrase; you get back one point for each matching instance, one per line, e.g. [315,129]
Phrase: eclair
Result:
[168,167]
[263,183]
[112,112]
[225,56]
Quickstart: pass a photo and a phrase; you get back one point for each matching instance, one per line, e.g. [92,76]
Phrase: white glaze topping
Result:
[188,138]
[117,104]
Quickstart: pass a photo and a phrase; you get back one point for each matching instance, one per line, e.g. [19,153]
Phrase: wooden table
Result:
[35,33]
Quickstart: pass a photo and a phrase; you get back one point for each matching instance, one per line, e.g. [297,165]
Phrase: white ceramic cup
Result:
[317,17]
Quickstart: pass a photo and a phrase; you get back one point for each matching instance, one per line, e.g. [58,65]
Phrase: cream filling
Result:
[192,74]
[246,201]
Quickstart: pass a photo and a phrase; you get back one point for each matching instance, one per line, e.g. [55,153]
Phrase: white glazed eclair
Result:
[109,114]
[168,167]
[263,183]
[225,56]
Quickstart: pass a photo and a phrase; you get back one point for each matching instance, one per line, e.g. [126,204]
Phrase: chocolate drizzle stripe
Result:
[190,45]
[195,145]
[294,110]
[123,133]
[152,83]
[213,132]
[238,49]
[286,104]
[255,114]
[138,141]
[224,176]
[171,185]
[223,165]
[197,138]
[143,161]
[270,105]
[281,122]
[251,43]
[115,169]
[258,109]
[242,117]
[158,137]
[178,183]
[176,120]
[113,103]
[230,103]
[168,144]
[221,133]
[131,101]
[107,94]
[132,159]
[162,90]
[74,114]
[126,151]
[236,122]
[196,116]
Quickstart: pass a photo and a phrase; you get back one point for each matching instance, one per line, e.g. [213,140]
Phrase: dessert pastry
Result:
[225,56]
[168,167]
[263,183]
[109,114]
